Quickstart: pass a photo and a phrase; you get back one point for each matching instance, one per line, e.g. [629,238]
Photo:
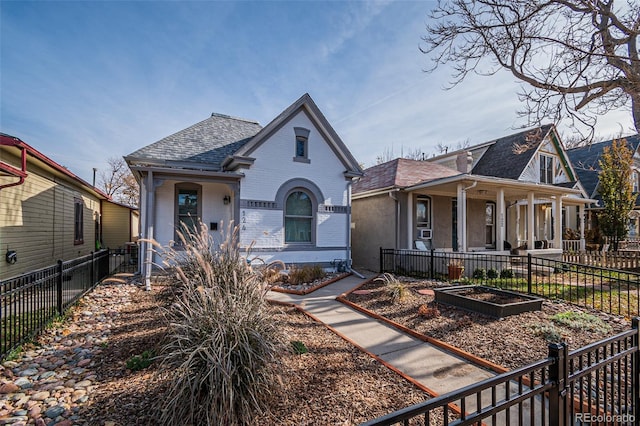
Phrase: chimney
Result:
[464,162]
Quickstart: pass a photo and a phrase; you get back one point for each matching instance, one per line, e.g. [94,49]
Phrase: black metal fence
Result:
[123,260]
[598,384]
[30,301]
[609,290]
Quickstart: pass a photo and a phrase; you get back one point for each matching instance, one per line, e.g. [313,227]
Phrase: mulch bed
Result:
[334,383]
[486,295]
[510,342]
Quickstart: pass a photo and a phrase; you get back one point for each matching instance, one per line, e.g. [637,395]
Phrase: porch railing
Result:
[597,384]
[30,301]
[610,290]
[625,260]
[570,246]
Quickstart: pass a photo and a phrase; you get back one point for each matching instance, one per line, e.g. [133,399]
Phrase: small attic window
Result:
[302,145]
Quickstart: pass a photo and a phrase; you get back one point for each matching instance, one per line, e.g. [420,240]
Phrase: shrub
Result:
[548,332]
[581,321]
[395,289]
[506,273]
[305,274]
[272,273]
[223,345]
[428,312]
[480,274]
[140,362]
[299,348]
[492,274]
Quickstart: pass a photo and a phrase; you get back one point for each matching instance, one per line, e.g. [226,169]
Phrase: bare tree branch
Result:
[577,58]
[118,182]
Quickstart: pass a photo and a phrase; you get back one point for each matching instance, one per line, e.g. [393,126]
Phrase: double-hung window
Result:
[546,169]
[78,221]
[423,212]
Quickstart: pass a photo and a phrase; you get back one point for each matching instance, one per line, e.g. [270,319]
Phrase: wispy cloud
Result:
[84,81]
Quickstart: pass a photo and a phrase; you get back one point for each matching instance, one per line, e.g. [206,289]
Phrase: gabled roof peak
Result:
[230,117]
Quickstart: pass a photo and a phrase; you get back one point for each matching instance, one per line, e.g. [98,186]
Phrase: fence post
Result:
[381,261]
[93,270]
[59,289]
[432,265]
[635,369]
[529,273]
[558,375]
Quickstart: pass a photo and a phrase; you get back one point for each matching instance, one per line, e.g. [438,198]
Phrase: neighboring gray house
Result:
[515,191]
[286,185]
[585,161]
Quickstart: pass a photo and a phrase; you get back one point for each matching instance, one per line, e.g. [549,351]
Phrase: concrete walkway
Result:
[429,365]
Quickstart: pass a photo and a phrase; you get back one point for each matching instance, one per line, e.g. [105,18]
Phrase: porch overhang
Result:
[504,193]
[200,175]
[487,186]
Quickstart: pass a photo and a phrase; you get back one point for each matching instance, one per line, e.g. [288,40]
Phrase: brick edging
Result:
[446,346]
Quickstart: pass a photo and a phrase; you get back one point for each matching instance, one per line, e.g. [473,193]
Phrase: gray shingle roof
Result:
[209,141]
[585,161]
[508,156]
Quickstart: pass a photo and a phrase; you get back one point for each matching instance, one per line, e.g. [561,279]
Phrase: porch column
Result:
[518,233]
[557,222]
[149,219]
[500,237]
[236,206]
[462,219]
[530,222]
[581,212]
[410,221]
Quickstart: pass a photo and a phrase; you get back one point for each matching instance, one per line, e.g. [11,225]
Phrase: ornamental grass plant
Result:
[223,344]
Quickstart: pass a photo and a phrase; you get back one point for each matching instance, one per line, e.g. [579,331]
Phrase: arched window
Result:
[298,218]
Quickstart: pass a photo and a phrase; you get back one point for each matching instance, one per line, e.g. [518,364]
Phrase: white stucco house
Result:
[286,185]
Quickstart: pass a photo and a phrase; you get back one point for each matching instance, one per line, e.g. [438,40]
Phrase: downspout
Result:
[349,260]
[473,185]
[23,172]
[148,254]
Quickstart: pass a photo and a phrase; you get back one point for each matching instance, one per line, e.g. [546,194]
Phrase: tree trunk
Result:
[635,110]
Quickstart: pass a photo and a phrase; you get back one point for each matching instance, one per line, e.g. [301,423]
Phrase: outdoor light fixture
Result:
[11,257]
[226,200]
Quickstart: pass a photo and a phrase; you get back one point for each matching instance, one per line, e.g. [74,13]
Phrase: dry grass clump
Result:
[223,341]
[305,274]
[272,274]
[396,290]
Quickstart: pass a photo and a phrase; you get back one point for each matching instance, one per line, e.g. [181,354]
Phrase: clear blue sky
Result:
[84,81]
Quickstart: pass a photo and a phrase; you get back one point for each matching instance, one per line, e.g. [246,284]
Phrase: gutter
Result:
[20,174]
[12,141]
[349,260]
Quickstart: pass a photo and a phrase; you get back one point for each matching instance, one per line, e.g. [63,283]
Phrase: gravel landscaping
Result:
[332,384]
[511,342]
[92,368]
